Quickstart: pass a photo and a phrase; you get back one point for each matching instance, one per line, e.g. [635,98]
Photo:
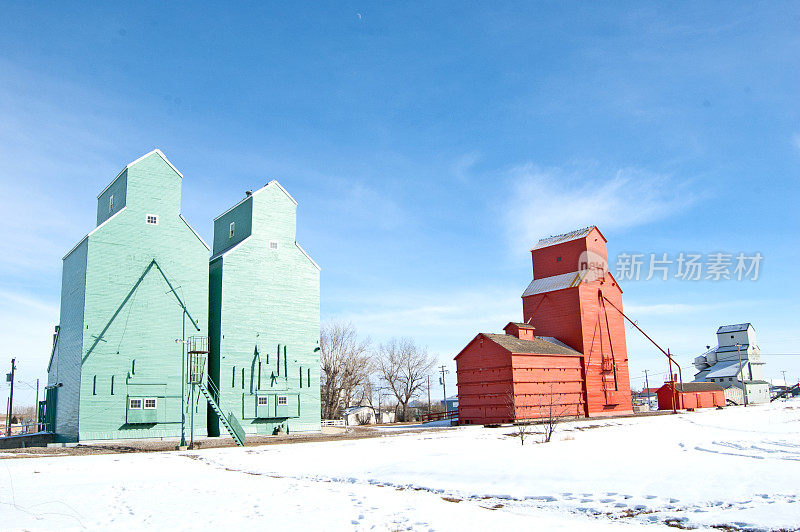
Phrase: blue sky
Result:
[429,145]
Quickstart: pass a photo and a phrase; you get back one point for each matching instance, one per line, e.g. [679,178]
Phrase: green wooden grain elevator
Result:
[264,317]
[132,287]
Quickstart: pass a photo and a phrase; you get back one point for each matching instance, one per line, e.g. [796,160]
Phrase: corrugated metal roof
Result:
[566,237]
[555,282]
[733,349]
[539,345]
[723,369]
[733,328]
[696,386]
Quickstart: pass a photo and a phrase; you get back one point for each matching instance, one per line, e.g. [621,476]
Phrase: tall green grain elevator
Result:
[132,287]
[264,317]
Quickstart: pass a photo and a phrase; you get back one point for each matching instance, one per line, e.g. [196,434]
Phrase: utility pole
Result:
[741,373]
[647,390]
[784,377]
[429,395]
[444,371]
[10,378]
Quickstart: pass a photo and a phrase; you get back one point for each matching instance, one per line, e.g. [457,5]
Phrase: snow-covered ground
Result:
[737,468]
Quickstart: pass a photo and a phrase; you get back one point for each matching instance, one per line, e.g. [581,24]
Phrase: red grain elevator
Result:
[565,306]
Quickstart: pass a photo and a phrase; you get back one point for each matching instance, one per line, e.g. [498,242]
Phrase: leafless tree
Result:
[553,412]
[550,412]
[345,365]
[404,367]
[521,428]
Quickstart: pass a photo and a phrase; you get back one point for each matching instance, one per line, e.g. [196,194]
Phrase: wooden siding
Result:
[565,257]
[265,314]
[496,386]
[119,189]
[133,344]
[65,370]
[604,348]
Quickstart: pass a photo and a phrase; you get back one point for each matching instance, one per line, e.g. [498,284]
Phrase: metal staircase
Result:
[231,424]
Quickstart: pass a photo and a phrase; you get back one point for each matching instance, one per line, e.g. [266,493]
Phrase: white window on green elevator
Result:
[150,403]
[111,203]
[152,219]
[135,404]
[232,229]
[262,400]
[283,400]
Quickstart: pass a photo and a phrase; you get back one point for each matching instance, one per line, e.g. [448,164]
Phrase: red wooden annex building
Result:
[568,357]
[690,395]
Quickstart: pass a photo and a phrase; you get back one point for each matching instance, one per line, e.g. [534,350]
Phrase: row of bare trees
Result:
[353,370]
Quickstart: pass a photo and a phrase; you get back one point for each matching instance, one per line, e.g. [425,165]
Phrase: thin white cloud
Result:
[548,201]
[444,320]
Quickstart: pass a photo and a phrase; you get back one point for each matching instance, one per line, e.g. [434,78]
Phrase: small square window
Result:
[150,403]
[262,400]
[111,203]
[232,229]
[283,400]
[135,404]
[273,244]
[152,219]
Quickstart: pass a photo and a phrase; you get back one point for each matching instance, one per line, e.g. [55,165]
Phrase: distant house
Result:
[690,395]
[451,404]
[648,397]
[359,415]
[366,415]
[722,365]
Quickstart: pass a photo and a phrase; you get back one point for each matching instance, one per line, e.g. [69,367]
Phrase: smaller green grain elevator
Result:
[264,317]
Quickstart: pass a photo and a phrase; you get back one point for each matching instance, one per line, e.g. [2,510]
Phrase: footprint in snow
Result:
[649,496]
[606,501]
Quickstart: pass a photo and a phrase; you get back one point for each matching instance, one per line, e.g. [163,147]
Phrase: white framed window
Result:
[273,244]
[150,403]
[111,203]
[283,400]
[231,229]
[134,404]
[262,400]
[152,219]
